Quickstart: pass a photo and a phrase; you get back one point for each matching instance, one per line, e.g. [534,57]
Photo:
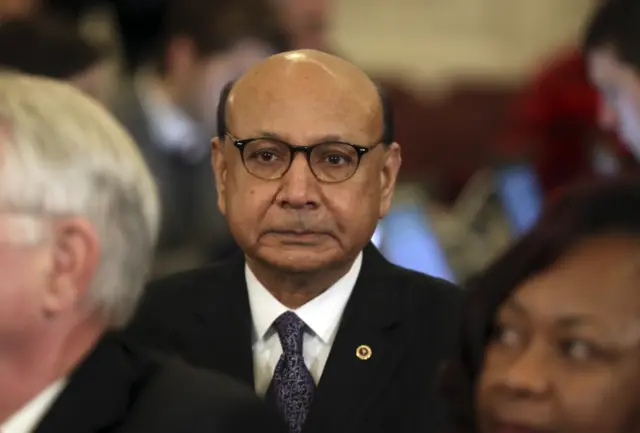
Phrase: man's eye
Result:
[265,155]
[337,159]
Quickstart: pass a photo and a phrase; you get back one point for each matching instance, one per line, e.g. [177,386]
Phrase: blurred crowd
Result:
[160,66]
[465,193]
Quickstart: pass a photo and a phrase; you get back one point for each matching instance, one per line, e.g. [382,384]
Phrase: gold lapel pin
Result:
[363,352]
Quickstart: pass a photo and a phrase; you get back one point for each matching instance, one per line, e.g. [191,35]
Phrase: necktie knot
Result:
[290,329]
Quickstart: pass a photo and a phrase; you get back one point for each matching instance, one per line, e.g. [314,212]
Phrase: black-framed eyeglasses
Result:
[269,158]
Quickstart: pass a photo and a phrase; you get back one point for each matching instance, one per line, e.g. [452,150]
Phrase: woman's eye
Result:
[579,350]
[507,335]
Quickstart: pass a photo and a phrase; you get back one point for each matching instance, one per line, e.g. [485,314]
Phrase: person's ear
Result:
[75,261]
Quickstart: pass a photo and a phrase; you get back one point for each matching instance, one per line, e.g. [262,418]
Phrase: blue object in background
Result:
[407,240]
[520,195]
[377,236]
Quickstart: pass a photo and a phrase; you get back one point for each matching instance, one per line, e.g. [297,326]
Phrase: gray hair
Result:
[63,155]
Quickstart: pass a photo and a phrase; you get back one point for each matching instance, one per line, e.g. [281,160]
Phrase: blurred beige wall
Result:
[435,40]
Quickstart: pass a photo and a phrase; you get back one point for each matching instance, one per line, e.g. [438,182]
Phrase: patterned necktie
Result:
[292,386]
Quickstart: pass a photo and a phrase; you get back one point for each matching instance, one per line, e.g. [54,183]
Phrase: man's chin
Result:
[298,258]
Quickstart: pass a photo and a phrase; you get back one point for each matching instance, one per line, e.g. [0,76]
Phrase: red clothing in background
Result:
[554,122]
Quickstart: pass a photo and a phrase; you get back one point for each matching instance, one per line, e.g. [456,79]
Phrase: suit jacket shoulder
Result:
[120,388]
[425,295]
[181,398]
[425,288]
[170,305]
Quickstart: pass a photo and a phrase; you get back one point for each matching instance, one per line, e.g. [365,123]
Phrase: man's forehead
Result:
[306,118]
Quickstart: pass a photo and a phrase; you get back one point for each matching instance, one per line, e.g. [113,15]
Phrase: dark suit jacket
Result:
[114,391]
[406,318]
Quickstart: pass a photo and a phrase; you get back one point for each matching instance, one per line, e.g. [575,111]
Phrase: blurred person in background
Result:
[170,110]
[612,47]
[79,220]
[39,46]
[305,24]
[18,8]
[129,28]
[554,124]
[138,23]
[550,336]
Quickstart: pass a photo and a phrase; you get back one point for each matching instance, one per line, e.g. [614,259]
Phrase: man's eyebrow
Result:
[318,139]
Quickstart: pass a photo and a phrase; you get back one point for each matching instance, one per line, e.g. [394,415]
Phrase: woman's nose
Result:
[529,374]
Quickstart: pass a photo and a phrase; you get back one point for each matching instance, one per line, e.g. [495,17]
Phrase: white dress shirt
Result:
[322,316]
[26,420]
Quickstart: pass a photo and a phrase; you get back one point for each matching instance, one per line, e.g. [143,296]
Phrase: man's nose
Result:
[299,186]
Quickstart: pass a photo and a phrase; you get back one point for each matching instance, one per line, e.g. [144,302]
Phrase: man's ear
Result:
[76,257]
[219,165]
[388,176]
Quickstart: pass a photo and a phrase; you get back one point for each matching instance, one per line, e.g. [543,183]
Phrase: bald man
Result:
[312,316]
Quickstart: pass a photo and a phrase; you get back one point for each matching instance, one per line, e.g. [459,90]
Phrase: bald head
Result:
[326,85]
[303,72]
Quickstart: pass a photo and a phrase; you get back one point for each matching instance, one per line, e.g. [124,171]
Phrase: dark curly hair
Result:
[589,209]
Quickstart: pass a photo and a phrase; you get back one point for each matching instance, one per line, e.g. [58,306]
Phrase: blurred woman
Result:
[550,336]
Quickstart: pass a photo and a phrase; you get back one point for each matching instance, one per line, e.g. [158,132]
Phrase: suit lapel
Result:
[223,337]
[371,321]
[97,395]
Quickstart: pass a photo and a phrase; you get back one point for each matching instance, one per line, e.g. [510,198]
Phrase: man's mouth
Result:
[298,236]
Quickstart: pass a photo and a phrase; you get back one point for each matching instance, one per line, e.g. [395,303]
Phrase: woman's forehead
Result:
[598,277]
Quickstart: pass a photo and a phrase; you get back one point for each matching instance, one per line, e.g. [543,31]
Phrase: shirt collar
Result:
[322,314]
[27,418]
